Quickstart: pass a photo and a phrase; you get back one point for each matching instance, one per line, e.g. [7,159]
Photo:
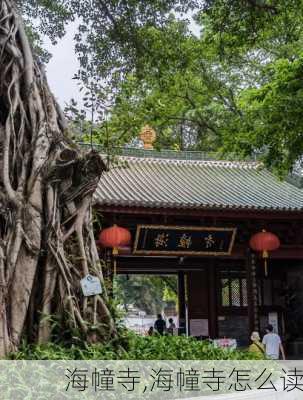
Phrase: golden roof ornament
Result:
[148,136]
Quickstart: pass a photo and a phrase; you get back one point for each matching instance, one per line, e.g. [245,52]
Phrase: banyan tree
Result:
[46,185]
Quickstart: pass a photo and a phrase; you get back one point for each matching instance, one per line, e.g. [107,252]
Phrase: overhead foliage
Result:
[192,86]
[142,62]
[267,35]
[180,90]
[272,117]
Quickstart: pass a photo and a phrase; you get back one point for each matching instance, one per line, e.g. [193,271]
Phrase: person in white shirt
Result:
[273,344]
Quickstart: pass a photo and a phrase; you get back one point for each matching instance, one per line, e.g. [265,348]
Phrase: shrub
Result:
[133,347]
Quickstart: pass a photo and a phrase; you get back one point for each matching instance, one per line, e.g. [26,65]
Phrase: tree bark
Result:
[46,185]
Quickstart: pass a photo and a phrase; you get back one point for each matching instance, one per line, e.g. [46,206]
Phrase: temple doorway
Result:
[141,297]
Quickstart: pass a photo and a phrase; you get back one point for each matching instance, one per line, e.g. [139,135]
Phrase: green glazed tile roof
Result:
[169,182]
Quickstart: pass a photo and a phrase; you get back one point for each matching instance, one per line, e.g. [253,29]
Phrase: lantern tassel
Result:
[115,252]
[265,256]
[265,267]
[115,267]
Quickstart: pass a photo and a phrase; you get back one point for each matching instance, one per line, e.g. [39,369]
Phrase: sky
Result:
[62,67]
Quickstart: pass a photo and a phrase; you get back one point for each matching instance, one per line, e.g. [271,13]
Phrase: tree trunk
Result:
[46,184]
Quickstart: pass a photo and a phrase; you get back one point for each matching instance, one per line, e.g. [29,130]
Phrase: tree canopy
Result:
[212,87]
[265,37]
[231,84]
[149,293]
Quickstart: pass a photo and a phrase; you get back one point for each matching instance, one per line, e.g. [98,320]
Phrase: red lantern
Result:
[264,242]
[115,237]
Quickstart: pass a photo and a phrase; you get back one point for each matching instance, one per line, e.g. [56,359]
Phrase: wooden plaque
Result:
[183,240]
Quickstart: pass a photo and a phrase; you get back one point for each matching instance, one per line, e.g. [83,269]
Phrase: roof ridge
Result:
[188,155]
[213,163]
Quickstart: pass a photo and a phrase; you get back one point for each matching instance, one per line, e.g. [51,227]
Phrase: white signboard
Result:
[273,320]
[90,285]
[226,343]
[199,327]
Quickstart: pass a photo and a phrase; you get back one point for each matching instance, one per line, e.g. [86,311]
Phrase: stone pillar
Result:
[181,301]
[212,299]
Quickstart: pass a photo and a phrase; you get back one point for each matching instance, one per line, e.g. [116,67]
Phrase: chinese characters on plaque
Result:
[181,240]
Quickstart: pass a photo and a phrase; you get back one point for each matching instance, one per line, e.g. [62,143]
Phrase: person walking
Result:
[171,326]
[160,325]
[273,344]
[256,346]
